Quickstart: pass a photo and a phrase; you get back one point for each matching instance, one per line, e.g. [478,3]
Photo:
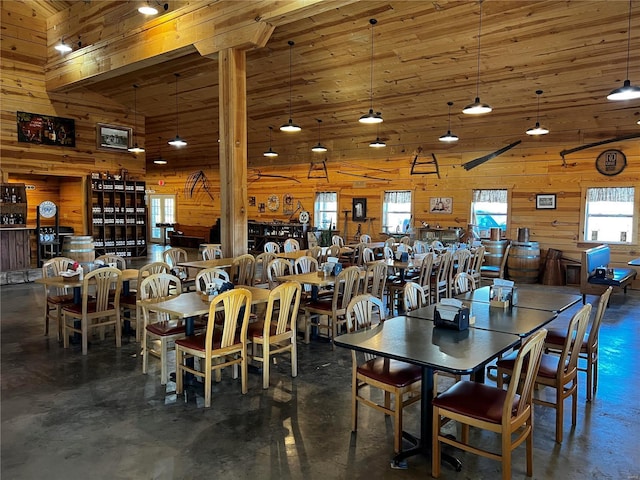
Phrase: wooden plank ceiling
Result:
[425,54]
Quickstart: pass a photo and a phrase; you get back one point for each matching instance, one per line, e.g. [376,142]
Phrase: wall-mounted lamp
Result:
[63,47]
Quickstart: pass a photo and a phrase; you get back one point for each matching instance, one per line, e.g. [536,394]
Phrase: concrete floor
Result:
[65,416]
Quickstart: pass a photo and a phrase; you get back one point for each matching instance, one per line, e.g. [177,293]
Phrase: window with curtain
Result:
[326,210]
[609,214]
[396,211]
[489,210]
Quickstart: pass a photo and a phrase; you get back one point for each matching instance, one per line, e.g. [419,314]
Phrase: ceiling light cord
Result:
[373,21]
[371,117]
[135,148]
[478,63]
[629,40]
[290,126]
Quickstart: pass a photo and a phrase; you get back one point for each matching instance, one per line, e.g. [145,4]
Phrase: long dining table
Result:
[416,340]
[215,263]
[535,299]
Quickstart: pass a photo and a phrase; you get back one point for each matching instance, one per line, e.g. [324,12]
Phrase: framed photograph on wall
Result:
[546,201]
[112,137]
[46,129]
[441,205]
[359,211]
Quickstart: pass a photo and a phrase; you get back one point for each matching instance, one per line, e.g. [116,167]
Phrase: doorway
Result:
[162,210]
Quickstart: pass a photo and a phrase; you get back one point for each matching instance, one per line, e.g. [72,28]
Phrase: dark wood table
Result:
[535,299]
[635,262]
[417,341]
[518,321]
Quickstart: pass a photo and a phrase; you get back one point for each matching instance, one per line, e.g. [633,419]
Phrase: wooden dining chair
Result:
[173,256]
[337,240]
[277,268]
[463,282]
[243,270]
[207,275]
[394,378]
[221,346]
[305,264]
[212,251]
[375,279]
[260,268]
[315,252]
[275,333]
[413,296]
[367,256]
[291,245]
[271,247]
[346,286]
[333,251]
[365,238]
[419,247]
[558,372]
[160,327]
[117,261]
[56,298]
[489,272]
[556,338]
[100,306]
[476,263]
[129,302]
[505,412]
[441,284]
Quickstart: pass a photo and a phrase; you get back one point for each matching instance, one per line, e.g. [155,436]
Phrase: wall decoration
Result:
[359,210]
[546,201]
[46,129]
[441,205]
[611,162]
[261,207]
[252,201]
[112,137]
[273,202]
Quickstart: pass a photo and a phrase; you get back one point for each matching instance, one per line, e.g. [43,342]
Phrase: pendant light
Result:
[290,126]
[371,117]
[160,160]
[627,91]
[177,141]
[477,107]
[538,130]
[377,143]
[270,152]
[319,148]
[449,137]
[147,9]
[63,47]
[135,148]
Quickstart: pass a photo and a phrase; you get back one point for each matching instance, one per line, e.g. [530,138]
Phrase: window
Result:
[326,210]
[396,211]
[609,214]
[489,210]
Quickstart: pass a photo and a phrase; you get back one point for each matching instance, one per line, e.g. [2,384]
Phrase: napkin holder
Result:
[503,297]
[451,317]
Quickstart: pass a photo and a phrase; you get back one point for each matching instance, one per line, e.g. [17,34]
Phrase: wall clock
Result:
[611,162]
[273,202]
[47,209]
[303,217]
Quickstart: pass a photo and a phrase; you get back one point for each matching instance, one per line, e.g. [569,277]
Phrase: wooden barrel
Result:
[494,251]
[523,264]
[79,248]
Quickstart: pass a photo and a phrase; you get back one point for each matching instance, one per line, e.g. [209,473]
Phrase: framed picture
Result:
[359,211]
[112,137]
[46,129]
[546,201]
[441,205]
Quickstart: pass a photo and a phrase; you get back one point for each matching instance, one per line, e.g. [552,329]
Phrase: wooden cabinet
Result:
[118,217]
[263,232]
[13,205]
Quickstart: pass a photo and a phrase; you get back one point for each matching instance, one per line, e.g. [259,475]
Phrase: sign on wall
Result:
[46,130]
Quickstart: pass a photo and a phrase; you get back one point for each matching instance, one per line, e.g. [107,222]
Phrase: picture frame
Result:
[441,205]
[546,201]
[359,209]
[113,138]
[45,129]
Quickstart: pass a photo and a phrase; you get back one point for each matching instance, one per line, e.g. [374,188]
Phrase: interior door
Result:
[162,210]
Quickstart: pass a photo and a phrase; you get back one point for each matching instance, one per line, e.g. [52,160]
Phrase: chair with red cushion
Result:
[506,412]
[589,348]
[56,298]
[395,378]
[275,333]
[221,346]
[559,372]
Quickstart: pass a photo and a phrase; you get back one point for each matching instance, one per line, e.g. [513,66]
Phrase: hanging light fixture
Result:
[538,130]
[270,152]
[147,9]
[63,47]
[290,126]
[449,137]
[627,91]
[377,143]
[135,148]
[177,141]
[371,117]
[319,148]
[160,160]
[477,107]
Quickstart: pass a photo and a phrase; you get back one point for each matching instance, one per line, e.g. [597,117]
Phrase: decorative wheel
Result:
[47,209]
[304,217]
[273,203]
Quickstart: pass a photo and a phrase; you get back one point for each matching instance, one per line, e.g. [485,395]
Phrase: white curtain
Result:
[493,196]
[610,194]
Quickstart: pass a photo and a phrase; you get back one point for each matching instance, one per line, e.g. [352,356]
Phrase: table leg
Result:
[423,444]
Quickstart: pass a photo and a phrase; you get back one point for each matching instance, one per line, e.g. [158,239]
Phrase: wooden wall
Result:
[24,53]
